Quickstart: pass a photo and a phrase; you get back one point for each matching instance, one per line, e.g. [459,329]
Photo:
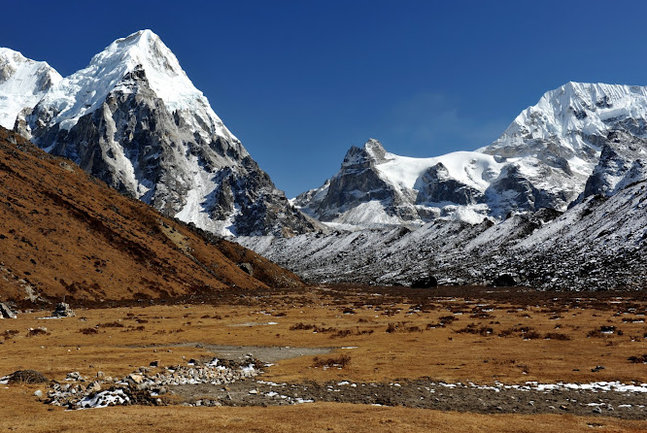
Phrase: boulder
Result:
[135,378]
[425,282]
[6,312]
[27,376]
[63,310]
[504,280]
[247,268]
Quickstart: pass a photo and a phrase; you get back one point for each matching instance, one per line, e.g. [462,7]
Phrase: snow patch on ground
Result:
[104,399]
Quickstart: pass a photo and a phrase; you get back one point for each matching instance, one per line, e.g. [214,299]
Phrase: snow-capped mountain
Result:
[133,118]
[578,140]
[574,130]
[559,201]
[23,82]
[376,187]
[597,244]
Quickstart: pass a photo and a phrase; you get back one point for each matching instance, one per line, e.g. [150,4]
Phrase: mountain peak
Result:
[133,118]
[143,48]
[375,149]
[23,82]
[86,90]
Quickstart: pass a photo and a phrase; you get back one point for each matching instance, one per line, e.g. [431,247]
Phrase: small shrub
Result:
[89,331]
[27,376]
[141,328]
[10,333]
[339,362]
[640,359]
[111,325]
[603,331]
[342,333]
[532,335]
[556,336]
[481,315]
[472,328]
[32,332]
[301,327]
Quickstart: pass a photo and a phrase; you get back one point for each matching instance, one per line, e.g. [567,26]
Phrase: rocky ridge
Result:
[597,244]
[133,119]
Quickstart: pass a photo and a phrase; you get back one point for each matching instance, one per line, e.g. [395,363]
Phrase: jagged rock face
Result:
[597,244]
[258,207]
[436,185]
[623,160]
[358,182]
[515,191]
[133,119]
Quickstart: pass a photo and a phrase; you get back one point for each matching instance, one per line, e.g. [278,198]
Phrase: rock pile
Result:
[145,387]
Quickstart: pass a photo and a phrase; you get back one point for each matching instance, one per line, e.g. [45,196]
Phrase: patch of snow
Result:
[104,399]
[474,169]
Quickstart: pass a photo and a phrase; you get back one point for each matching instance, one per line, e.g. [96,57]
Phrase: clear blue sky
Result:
[301,81]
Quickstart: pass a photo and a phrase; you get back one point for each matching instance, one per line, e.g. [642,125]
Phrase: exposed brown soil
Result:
[64,233]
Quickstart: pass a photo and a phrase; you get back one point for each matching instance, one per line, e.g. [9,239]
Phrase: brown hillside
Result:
[63,232]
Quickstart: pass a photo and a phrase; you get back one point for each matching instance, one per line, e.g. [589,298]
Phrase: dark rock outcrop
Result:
[6,312]
[427,282]
[63,310]
[504,280]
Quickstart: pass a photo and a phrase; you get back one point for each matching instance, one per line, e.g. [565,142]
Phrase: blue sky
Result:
[299,82]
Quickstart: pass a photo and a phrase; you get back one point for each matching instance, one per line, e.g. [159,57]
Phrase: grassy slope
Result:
[63,232]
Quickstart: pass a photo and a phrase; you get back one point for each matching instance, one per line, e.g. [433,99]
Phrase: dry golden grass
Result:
[410,351]
[64,233]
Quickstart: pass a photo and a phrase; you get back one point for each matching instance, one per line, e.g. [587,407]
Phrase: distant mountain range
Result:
[579,140]
[569,166]
[558,201]
[597,244]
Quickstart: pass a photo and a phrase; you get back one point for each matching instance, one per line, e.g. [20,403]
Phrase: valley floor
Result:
[371,359]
